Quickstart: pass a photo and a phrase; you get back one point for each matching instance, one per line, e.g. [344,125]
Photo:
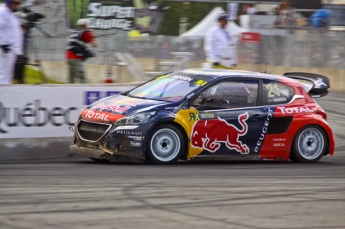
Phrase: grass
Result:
[77,9]
[33,76]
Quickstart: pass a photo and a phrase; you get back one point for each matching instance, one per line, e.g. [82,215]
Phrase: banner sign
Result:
[111,14]
[143,15]
[46,111]
[250,37]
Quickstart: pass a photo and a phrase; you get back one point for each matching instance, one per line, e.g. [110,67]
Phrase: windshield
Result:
[172,87]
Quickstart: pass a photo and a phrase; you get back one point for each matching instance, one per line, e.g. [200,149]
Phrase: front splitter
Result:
[102,155]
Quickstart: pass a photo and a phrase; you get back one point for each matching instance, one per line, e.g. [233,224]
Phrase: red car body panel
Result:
[305,112]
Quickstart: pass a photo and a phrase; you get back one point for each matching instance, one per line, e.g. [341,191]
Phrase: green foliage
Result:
[193,13]
[33,76]
[196,11]
[76,9]
[171,23]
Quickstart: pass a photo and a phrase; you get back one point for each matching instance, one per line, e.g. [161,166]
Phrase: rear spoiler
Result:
[316,85]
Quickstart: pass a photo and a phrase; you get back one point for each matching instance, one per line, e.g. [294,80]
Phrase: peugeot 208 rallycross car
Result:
[198,113]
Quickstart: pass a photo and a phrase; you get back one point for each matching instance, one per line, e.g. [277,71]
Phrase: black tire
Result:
[309,145]
[99,160]
[165,145]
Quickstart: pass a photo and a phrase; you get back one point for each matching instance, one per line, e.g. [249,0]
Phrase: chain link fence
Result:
[309,49]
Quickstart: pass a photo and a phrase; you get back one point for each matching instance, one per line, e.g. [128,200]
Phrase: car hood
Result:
[110,109]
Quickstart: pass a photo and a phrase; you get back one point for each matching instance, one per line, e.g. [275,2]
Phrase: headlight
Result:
[135,119]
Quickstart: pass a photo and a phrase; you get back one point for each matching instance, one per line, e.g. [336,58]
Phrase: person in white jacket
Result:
[220,45]
[11,39]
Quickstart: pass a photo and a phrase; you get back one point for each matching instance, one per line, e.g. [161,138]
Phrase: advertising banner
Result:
[249,46]
[143,15]
[46,111]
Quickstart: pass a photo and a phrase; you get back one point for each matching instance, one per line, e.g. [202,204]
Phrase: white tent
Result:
[211,20]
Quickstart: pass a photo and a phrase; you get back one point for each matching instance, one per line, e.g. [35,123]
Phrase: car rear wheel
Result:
[165,145]
[309,144]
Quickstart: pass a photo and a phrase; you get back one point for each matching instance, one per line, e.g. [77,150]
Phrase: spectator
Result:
[220,45]
[11,40]
[77,52]
[21,61]
[251,9]
[320,18]
[285,16]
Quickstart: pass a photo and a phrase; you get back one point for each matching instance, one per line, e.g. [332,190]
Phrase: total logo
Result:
[292,110]
[96,116]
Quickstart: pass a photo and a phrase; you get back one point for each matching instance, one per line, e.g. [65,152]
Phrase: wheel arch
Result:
[328,145]
[321,128]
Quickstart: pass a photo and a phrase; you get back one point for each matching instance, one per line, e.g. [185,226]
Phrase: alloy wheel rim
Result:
[310,143]
[165,145]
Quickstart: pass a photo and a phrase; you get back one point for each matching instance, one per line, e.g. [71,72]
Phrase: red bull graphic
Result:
[208,134]
[117,105]
[114,108]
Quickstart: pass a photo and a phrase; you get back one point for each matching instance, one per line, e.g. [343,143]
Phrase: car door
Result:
[230,122]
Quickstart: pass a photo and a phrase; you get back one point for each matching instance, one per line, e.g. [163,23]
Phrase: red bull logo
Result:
[209,134]
[117,105]
[113,107]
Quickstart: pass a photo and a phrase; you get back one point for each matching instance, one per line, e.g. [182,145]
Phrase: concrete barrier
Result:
[95,74]
[34,148]
[35,119]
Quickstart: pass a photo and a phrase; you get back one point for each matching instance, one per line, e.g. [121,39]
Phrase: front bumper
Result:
[135,157]
[98,141]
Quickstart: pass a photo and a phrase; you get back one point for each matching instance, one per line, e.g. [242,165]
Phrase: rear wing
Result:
[315,85]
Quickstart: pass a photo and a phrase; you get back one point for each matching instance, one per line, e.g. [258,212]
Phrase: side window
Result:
[227,95]
[276,93]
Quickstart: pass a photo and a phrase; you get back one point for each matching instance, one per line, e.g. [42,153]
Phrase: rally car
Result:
[199,113]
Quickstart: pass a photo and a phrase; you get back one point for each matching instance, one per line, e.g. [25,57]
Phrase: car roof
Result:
[220,73]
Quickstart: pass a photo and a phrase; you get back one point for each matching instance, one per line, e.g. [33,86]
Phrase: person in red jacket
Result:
[77,52]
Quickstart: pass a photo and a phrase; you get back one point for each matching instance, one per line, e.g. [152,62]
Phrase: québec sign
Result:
[46,111]
[33,114]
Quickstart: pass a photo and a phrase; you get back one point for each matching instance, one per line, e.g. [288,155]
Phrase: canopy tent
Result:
[211,20]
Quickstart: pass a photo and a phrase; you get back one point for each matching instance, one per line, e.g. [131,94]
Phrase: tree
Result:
[196,11]
[171,24]
[192,12]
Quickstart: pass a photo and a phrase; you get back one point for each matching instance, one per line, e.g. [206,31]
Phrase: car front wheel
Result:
[165,145]
[309,144]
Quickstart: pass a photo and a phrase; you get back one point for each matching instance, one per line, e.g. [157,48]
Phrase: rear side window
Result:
[276,93]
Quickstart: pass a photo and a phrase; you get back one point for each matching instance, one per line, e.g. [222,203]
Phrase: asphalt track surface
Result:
[79,193]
